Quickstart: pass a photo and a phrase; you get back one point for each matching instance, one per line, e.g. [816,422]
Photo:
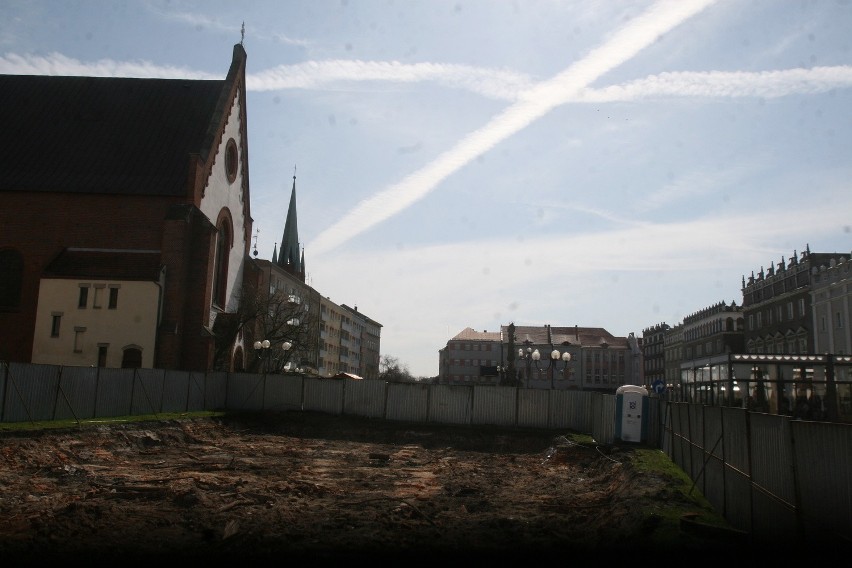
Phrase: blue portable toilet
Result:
[631,413]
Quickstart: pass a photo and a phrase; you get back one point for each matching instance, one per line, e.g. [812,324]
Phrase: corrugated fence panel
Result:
[451,404]
[216,390]
[580,411]
[603,422]
[823,461]
[176,391]
[532,408]
[560,409]
[666,427]
[196,398]
[283,392]
[494,405]
[699,441]
[324,395]
[773,484]
[115,392]
[712,480]
[737,504]
[364,397]
[148,391]
[407,402]
[75,400]
[245,391]
[31,392]
[679,412]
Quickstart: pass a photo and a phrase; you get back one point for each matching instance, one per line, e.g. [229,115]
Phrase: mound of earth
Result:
[322,487]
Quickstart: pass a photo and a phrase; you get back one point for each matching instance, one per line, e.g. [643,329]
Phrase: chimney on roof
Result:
[577,332]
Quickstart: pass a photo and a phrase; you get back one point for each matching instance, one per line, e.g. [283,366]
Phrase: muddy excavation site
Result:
[318,487]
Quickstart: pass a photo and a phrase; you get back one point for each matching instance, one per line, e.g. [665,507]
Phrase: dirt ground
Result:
[321,487]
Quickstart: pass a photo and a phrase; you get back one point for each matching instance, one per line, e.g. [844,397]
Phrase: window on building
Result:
[220,274]
[801,307]
[83,299]
[822,326]
[78,339]
[759,320]
[55,321]
[113,297]
[131,358]
[102,354]
[11,278]
[789,310]
[779,312]
[838,319]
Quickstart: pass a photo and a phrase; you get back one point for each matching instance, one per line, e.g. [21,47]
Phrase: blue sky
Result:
[466,163]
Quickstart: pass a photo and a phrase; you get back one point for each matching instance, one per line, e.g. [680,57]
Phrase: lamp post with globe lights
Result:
[264,353]
[527,355]
[555,356]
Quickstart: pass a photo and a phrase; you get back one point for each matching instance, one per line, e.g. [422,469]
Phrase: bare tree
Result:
[391,370]
[279,318]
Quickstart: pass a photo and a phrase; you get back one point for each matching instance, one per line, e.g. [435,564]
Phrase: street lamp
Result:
[554,359]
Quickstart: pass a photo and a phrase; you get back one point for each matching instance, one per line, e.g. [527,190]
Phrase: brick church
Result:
[125,220]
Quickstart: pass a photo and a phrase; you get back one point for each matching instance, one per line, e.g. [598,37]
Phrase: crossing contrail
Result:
[534,103]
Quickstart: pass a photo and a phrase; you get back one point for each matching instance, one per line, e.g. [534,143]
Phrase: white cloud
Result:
[58,64]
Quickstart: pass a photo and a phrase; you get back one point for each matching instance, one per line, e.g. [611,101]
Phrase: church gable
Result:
[224,197]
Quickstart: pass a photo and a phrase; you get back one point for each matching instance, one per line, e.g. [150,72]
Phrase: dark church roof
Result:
[104,135]
[117,264]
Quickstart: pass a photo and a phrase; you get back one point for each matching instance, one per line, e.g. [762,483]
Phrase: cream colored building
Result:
[106,323]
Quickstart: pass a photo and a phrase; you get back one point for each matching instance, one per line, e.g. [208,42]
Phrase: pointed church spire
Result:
[275,254]
[288,256]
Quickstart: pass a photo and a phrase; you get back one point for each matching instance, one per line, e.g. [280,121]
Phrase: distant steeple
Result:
[288,256]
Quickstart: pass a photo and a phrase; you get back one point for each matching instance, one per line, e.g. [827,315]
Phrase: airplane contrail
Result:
[533,104]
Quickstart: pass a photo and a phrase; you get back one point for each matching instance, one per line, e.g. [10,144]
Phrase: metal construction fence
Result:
[784,481]
[34,392]
[773,476]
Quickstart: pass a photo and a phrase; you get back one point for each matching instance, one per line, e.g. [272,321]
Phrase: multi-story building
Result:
[831,302]
[125,220]
[712,331]
[363,337]
[777,305]
[586,358]
[471,357]
[330,361]
[599,361]
[654,354]
[370,348]
[673,345]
